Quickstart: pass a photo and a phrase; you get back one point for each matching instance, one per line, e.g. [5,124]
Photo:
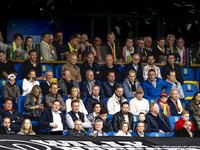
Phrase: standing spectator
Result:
[2,45]
[73,68]
[7,66]
[140,126]
[124,129]
[150,65]
[84,38]
[52,48]
[66,84]
[32,64]
[28,45]
[131,84]
[98,49]
[114,103]
[26,128]
[77,131]
[46,84]
[143,52]
[148,43]
[98,129]
[128,50]
[88,48]
[195,103]
[15,50]
[153,86]
[135,65]
[29,82]
[181,49]
[171,65]
[123,115]
[139,104]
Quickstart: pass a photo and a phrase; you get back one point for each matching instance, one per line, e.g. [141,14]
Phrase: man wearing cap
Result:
[139,104]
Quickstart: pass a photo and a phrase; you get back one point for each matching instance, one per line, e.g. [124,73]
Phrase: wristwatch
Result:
[33,107]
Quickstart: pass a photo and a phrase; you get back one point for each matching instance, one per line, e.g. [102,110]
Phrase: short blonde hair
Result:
[132,71]
[170,35]
[184,112]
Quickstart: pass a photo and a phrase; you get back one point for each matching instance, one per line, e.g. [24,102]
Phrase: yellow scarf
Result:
[71,48]
[47,45]
[114,52]
[14,47]
[130,57]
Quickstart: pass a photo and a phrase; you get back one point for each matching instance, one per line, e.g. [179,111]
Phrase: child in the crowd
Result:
[162,103]
[184,117]
[196,119]
[141,117]
[107,125]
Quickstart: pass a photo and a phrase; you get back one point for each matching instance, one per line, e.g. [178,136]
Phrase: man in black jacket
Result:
[172,66]
[121,116]
[5,128]
[185,131]
[77,131]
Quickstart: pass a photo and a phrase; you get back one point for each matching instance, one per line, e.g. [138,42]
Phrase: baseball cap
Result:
[139,90]
[163,94]
[11,76]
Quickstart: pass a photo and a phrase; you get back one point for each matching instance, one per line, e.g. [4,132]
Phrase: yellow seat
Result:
[193,82]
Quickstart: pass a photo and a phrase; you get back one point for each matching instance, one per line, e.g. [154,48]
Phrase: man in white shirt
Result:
[139,104]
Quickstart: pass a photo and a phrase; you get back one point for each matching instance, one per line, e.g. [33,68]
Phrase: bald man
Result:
[185,131]
[87,84]
[135,65]
[109,66]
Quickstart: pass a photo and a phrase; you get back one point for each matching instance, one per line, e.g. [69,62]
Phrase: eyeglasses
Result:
[136,59]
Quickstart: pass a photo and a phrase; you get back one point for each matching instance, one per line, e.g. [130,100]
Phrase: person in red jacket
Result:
[184,117]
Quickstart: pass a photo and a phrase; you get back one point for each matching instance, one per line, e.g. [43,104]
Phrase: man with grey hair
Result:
[77,131]
[46,84]
[98,129]
[148,43]
[66,84]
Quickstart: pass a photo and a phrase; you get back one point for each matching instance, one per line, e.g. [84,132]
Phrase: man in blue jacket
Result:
[153,86]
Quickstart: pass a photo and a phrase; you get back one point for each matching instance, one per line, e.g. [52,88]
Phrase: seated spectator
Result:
[15,50]
[109,66]
[52,96]
[185,131]
[5,128]
[153,86]
[15,117]
[140,127]
[110,85]
[77,131]
[3,46]
[73,68]
[98,126]
[89,64]
[94,98]
[114,103]
[171,65]
[74,115]
[150,65]
[107,125]
[157,121]
[86,85]
[134,65]
[11,90]
[184,117]
[124,129]
[92,116]
[53,120]
[130,84]
[195,103]
[75,95]
[128,50]
[26,128]
[142,118]
[171,77]
[32,63]
[33,106]
[123,115]
[176,105]
[46,84]
[196,120]
[159,51]
[139,104]
[52,48]
[162,103]
[66,84]
[7,66]
[29,82]
[28,45]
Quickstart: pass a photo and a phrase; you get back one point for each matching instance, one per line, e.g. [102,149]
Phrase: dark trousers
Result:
[56,133]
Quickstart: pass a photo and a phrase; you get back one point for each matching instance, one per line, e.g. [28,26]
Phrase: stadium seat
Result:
[171,134]
[88,132]
[189,90]
[188,74]
[152,100]
[161,69]
[121,68]
[42,131]
[112,133]
[19,83]
[20,104]
[65,98]
[173,120]
[45,67]
[106,99]
[2,83]
[156,134]
[65,133]
[135,118]
[110,116]
[198,74]
[84,99]
[18,68]
[58,72]
[193,82]
[128,99]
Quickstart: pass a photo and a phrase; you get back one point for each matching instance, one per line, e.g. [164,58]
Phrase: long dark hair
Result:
[25,45]
[195,95]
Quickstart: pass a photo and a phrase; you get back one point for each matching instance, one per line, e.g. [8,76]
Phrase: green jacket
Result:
[11,54]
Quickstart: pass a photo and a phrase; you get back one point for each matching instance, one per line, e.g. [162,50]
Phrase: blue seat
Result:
[65,133]
[84,99]
[121,68]
[152,100]
[171,134]
[19,83]
[58,72]
[189,89]
[135,118]
[110,116]
[42,131]
[79,84]
[161,69]
[2,83]
[188,74]
[128,99]
[198,74]
[20,105]
[45,67]
[112,133]
[88,132]
[106,100]
[65,98]
[18,68]
[156,134]
[173,120]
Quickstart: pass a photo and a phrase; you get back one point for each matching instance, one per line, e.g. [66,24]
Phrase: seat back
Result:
[112,133]
[152,100]
[110,116]
[45,67]
[198,75]
[58,72]
[188,74]
[20,104]
[18,68]
[121,68]
[189,89]
[156,134]
[2,83]
[173,120]
[65,133]
[19,83]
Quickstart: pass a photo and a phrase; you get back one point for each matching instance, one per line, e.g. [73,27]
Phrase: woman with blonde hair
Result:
[75,95]
[33,105]
[124,129]
[26,128]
